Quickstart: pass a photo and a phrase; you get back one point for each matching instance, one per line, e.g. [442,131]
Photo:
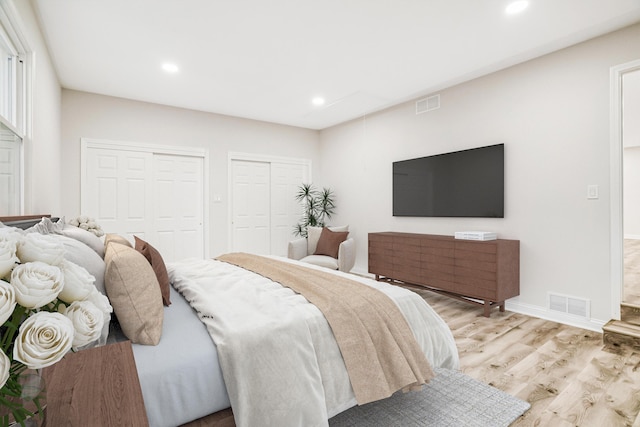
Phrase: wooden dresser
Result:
[480,272]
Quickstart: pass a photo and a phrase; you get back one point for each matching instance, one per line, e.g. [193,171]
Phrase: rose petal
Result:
[5,365]
[7,301]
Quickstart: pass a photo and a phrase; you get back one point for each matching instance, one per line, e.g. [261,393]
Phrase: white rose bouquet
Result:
[48,306]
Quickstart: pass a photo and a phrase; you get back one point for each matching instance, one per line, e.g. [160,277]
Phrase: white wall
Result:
[102,117]
[552,114]
[42,144]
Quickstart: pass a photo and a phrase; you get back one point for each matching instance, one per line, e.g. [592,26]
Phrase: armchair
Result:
[305,249]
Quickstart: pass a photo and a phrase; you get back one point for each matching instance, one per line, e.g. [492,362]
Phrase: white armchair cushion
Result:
[322,261]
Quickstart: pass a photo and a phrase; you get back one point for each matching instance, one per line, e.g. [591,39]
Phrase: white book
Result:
[475,235]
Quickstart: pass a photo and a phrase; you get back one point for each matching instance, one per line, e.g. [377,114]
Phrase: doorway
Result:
[631,185]
[619,78]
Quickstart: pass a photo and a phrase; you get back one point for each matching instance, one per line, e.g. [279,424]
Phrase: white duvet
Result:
[280,361]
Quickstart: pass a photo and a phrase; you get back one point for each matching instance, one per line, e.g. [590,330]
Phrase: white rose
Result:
[87,320]
[78,283]
[8,257]
[100,301]
[36,283]
[7,301]
[74,222]
[5,364]
[43,339]
[41,247]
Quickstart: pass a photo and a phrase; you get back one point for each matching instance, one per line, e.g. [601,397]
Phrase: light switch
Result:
[592,191]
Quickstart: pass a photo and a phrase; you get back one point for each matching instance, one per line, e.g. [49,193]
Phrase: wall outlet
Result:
[592,191]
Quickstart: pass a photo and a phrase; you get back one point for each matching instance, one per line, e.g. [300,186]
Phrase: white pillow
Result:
[85,237]
[313,235]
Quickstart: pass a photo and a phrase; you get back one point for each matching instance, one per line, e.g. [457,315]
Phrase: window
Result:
[14,58]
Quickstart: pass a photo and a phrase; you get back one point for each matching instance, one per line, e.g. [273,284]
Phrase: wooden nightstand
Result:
[95,387]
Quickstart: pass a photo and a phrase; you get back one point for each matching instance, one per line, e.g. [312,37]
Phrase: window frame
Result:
[16,114]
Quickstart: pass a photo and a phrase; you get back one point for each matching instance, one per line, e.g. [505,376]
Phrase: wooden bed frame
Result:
[22,217]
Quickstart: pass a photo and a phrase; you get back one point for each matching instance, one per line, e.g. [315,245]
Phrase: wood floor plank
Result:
[568,378]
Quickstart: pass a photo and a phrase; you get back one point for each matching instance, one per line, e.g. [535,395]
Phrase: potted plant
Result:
[317,206]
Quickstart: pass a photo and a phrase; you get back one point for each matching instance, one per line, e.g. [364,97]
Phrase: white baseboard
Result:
[544,313]
[537,311]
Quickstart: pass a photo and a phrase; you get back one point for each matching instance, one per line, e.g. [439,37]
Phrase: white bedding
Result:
[280,361]
[180,378]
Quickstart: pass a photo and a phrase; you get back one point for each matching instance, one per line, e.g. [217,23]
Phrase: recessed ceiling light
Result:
[318,100]
[169,67]
[516,7]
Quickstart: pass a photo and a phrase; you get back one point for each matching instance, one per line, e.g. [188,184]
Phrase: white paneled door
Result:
[178,205]
[263,207]
[285,210]
[251,206]
[9,173]
[118,183]
[156,196]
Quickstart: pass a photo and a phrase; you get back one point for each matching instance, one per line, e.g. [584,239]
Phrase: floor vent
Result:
[428,104]
[570,305]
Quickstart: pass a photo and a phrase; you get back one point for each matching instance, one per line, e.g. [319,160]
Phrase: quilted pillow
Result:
[329,242]
[134,293]
[157,263]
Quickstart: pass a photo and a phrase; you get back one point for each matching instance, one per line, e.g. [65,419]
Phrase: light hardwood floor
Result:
[561,370]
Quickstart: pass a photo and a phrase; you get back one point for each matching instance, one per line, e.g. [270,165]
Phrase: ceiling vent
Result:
[428,104]
[569,305]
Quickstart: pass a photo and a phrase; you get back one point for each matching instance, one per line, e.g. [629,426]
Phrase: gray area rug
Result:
[450,399]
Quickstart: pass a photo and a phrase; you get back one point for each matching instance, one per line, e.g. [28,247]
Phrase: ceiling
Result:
[266,60]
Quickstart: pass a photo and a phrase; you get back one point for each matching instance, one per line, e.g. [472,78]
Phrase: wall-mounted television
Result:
[467,183]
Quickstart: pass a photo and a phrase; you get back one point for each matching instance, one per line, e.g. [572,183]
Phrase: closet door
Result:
[285,211]
[251,207]
[157,196]
[119,184]
[178,206]
[263,208]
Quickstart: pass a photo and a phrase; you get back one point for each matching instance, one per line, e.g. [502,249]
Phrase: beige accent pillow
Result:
[134,293]
[113,237]
[313,235]
[329,242]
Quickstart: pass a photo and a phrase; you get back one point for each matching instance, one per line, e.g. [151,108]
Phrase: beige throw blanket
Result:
[378,347]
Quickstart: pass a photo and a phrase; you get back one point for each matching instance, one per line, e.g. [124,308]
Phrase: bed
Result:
[183,376]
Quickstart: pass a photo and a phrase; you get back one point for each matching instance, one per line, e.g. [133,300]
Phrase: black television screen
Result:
[468,183]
